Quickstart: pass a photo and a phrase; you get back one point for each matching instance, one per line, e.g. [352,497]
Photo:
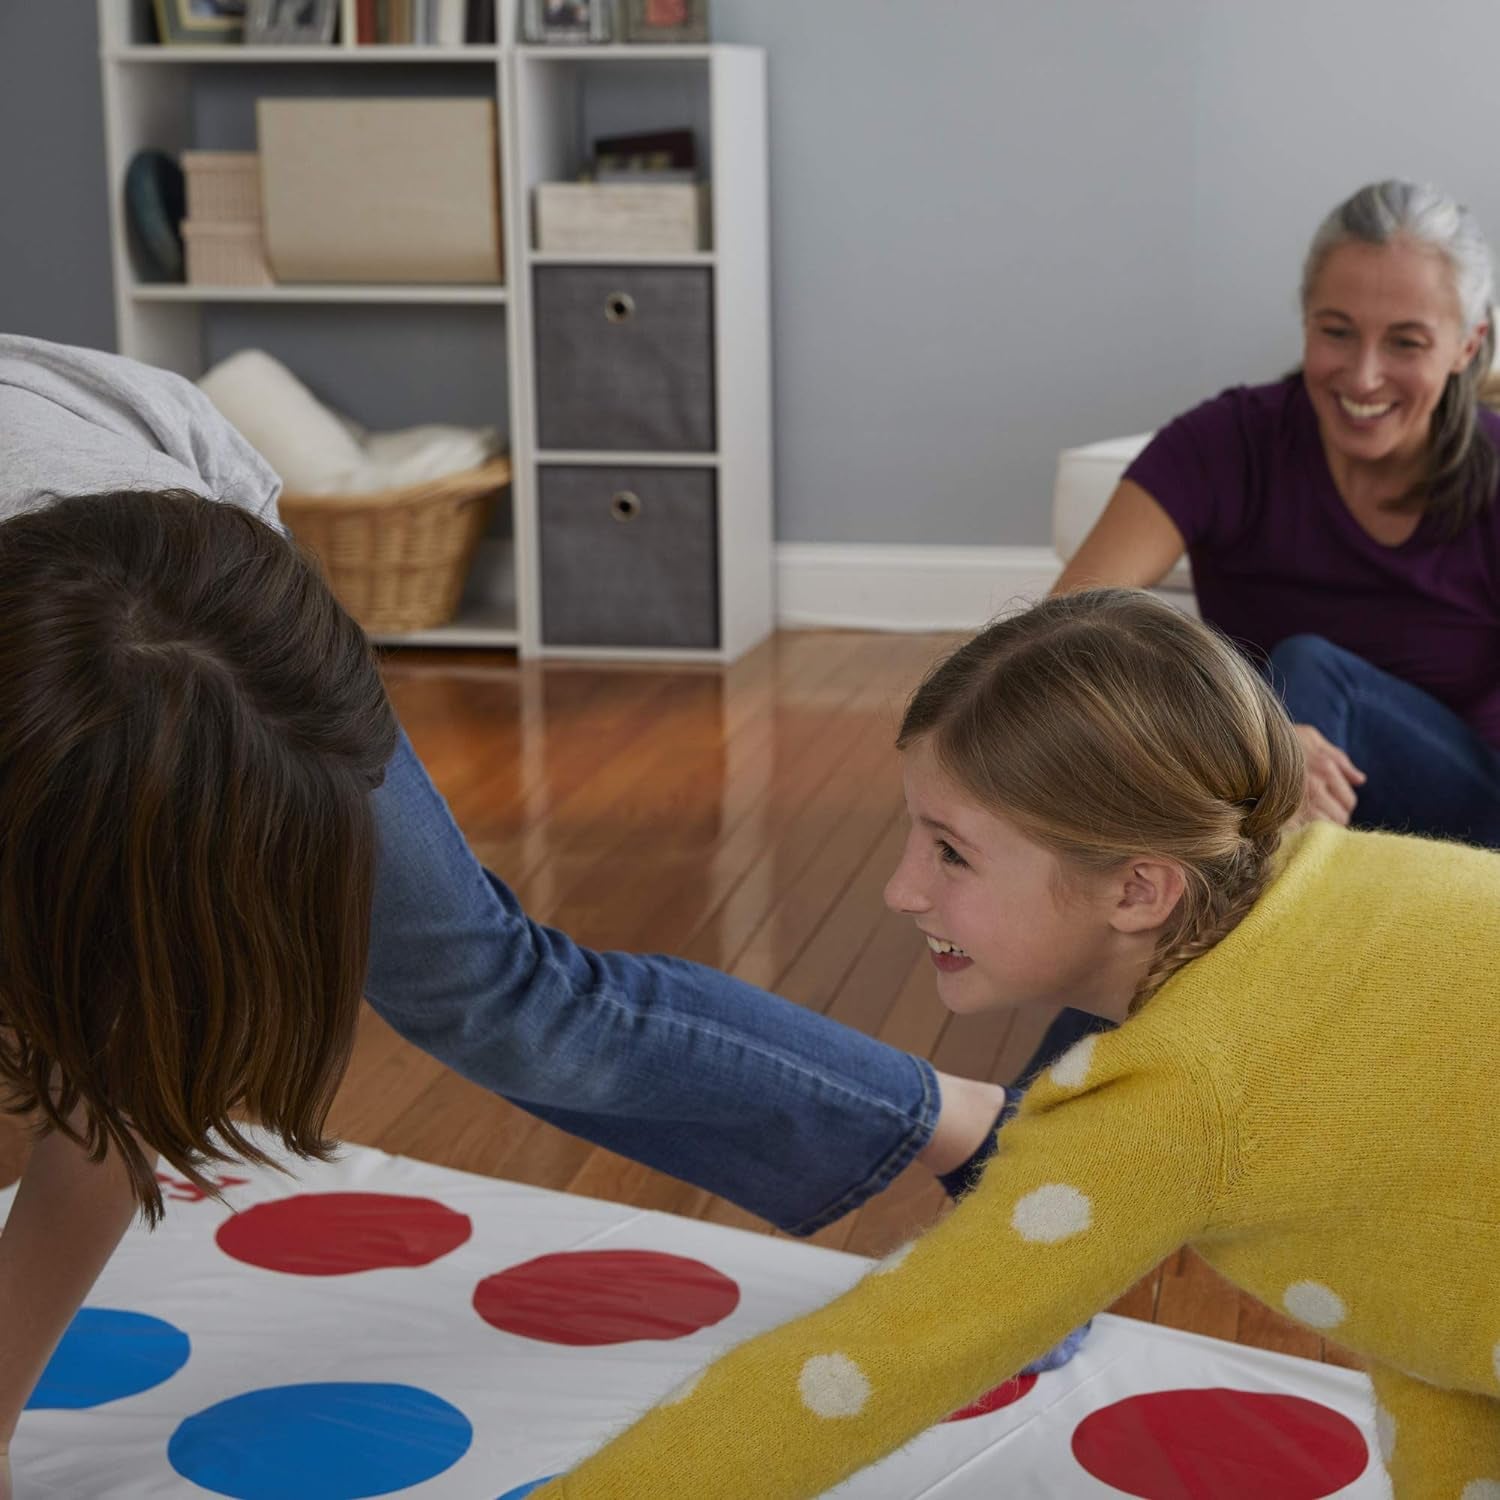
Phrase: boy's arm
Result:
[1113,1162]
[68,1215]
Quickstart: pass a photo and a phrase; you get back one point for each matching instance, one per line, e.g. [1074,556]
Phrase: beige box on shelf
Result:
[225,254]
[370,190]
[654,218]
[223,187]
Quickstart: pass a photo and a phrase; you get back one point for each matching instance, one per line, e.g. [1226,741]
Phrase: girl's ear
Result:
[1146,895]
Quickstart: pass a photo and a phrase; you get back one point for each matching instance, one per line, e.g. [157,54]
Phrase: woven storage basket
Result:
[397,559]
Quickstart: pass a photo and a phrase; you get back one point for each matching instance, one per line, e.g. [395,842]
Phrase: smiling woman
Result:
[1342,525]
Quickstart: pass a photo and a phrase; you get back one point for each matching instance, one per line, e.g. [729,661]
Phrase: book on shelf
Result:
[422,23]
[480,26]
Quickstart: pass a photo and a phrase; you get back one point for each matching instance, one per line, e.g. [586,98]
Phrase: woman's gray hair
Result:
[1377,214]
[1463,468]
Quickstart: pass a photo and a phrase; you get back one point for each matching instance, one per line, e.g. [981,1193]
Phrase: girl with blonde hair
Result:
[1100,792]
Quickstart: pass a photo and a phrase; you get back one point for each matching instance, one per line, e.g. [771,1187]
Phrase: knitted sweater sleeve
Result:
[1436,1442]
[1113,1163]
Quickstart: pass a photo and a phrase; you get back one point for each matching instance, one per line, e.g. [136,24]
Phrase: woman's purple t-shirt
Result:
[1275,551]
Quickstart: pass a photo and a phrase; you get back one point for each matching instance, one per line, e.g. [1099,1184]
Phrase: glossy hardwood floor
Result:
[747,818]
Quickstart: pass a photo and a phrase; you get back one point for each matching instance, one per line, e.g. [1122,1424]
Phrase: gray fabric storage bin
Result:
[629,556]
[624,358]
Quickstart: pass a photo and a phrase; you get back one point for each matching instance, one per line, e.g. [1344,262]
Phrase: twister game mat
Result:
[378,1326]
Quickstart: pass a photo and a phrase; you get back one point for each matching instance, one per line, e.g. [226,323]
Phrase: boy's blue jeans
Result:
[787,1113]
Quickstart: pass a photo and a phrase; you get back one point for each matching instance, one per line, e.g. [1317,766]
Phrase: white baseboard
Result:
[877,587]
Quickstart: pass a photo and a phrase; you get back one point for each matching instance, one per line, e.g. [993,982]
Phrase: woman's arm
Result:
[68,1215]
[1134,544]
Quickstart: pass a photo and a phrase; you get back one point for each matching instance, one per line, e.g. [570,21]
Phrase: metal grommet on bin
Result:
[619,307]
[625,506]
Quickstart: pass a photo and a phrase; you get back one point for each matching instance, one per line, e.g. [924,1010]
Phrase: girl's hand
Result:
[1331,780]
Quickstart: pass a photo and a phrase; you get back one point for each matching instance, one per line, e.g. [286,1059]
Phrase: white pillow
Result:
[307,445]
[415,454]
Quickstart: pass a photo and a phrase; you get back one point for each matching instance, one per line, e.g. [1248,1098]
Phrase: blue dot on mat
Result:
[106,1355]
[339,1441]
[521,1491]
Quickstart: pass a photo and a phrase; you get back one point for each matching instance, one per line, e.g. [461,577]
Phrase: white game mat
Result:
[380,1326]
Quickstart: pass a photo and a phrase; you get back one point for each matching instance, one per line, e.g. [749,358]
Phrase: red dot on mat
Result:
[606,1297]
[1003,1395]
[1221,1444]
[334,1234]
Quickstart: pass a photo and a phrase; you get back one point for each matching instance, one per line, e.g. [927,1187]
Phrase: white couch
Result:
[1086,478]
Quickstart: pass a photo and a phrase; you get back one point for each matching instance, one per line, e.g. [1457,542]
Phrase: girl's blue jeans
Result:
[787,1113]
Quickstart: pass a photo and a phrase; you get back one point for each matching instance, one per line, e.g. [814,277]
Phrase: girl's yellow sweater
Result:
[1313,1105]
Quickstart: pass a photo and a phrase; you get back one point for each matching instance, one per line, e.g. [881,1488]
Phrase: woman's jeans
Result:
[787,1113]
[1427,771]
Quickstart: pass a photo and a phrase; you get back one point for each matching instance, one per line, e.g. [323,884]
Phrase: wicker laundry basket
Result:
[397,559]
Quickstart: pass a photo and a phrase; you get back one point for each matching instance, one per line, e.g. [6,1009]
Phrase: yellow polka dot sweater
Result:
[1314,1105]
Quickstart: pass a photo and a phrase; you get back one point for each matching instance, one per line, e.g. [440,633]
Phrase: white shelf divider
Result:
[607,52]
[152,55]
[627,459]
[147,291]
[619,258]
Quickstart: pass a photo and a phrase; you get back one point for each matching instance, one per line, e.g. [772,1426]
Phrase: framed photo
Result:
[565,21]
[214,22]
[297,23]
[665,20]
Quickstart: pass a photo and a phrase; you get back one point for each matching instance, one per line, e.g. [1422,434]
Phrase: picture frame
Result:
[200,23]
[291,23]
[651,21]
[662,155]
[566,22]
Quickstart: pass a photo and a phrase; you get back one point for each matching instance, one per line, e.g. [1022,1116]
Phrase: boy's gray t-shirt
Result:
[77,422]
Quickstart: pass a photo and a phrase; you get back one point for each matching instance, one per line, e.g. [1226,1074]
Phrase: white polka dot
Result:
[1313,1303]
[1385,1432]
[1051,1213]
[679,1393]
[832,1385]
[1072,1067]
[1481,1489]
[894,1261]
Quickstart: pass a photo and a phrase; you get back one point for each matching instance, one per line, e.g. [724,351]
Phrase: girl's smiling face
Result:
[1004,925]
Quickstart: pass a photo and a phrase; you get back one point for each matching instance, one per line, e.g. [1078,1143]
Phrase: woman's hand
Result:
[1331,779]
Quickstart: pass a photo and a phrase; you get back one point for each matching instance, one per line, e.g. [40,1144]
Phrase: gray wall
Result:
[54,218]
[999,227]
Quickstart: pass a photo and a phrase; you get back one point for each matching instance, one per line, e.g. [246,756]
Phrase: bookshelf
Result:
[476,347]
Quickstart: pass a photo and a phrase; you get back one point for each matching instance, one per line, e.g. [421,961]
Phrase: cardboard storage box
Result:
[661,218]
[391,190]
[225,254]
[223,187]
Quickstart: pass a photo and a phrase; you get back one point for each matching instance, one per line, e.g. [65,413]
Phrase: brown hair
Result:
[1108,725]
[190,729]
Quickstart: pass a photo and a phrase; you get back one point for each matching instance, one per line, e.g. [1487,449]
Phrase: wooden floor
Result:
[747,818]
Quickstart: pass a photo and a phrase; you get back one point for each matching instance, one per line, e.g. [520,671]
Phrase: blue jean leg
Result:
[787,1113]
[1428,771]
